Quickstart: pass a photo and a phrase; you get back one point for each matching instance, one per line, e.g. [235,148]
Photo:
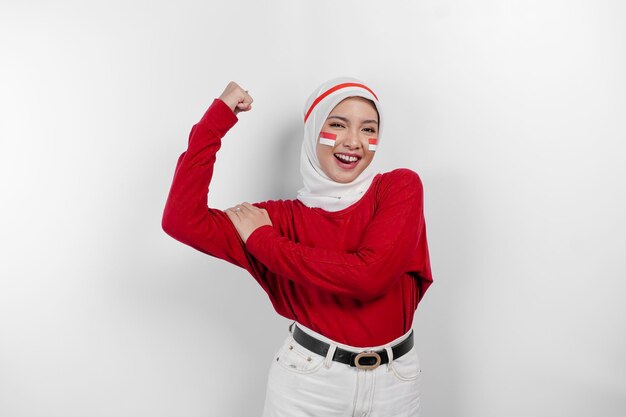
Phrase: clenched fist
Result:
[236,98]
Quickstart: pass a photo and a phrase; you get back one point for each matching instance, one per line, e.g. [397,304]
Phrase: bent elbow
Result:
[170,224]
[168,227]
[371,278]
[371,290]
[367,296]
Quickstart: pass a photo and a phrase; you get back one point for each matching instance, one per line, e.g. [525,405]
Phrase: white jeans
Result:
[302,383]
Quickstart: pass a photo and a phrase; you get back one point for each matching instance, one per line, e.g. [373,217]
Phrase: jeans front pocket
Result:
[298,359]
[407,367]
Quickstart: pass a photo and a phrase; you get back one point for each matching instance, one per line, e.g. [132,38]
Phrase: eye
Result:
[369,130]
[335,125]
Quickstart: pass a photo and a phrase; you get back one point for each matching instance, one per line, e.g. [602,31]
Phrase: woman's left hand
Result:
[247,218]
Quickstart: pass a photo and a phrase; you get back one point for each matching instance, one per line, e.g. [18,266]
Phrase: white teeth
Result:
[346,157]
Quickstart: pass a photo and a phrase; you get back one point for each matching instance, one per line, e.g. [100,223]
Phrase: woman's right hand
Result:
[236,98]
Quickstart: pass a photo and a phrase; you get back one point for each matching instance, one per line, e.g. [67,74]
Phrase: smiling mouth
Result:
[347,159]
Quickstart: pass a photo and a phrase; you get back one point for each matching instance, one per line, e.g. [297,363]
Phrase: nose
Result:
[352,139]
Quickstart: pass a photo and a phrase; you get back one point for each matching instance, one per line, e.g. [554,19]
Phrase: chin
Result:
[344,180]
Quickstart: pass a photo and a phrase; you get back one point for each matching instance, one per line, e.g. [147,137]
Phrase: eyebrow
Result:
[347,121]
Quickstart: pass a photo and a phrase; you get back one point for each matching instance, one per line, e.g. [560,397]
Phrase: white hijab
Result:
[319,190]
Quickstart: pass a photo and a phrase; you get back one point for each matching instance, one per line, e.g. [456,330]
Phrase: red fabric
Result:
[355,276]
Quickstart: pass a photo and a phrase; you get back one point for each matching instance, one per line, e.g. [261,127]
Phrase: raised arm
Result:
[187,217]
[388,246]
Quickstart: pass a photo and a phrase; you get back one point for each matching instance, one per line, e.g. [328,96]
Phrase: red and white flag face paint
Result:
[327,138]
[372,144]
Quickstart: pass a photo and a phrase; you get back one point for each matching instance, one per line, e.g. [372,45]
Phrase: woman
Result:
[347,260]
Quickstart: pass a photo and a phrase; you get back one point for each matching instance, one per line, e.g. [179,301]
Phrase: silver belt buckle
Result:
[357,360]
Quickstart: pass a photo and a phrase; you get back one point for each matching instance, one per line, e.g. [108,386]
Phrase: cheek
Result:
[324,152]
[368,158]
[372,144]
[319,151]
[327,138]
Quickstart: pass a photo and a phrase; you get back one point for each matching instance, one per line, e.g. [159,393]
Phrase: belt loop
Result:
[291,327]
[390,356]
[329,356]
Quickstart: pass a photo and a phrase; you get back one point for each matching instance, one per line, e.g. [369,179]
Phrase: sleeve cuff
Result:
[220,117]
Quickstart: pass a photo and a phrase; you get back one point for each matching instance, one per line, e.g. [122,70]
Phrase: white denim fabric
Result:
[302,383]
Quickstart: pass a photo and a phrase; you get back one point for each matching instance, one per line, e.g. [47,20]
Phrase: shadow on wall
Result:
[211,323]
[440,314]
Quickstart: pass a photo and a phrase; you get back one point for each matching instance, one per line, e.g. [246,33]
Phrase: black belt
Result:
[361,360]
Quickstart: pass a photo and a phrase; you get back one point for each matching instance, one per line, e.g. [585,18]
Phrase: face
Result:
[354,121]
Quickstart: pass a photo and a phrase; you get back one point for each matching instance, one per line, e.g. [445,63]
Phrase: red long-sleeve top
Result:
[355,275]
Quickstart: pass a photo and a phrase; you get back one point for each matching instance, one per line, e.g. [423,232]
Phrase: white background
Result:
[511,111]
